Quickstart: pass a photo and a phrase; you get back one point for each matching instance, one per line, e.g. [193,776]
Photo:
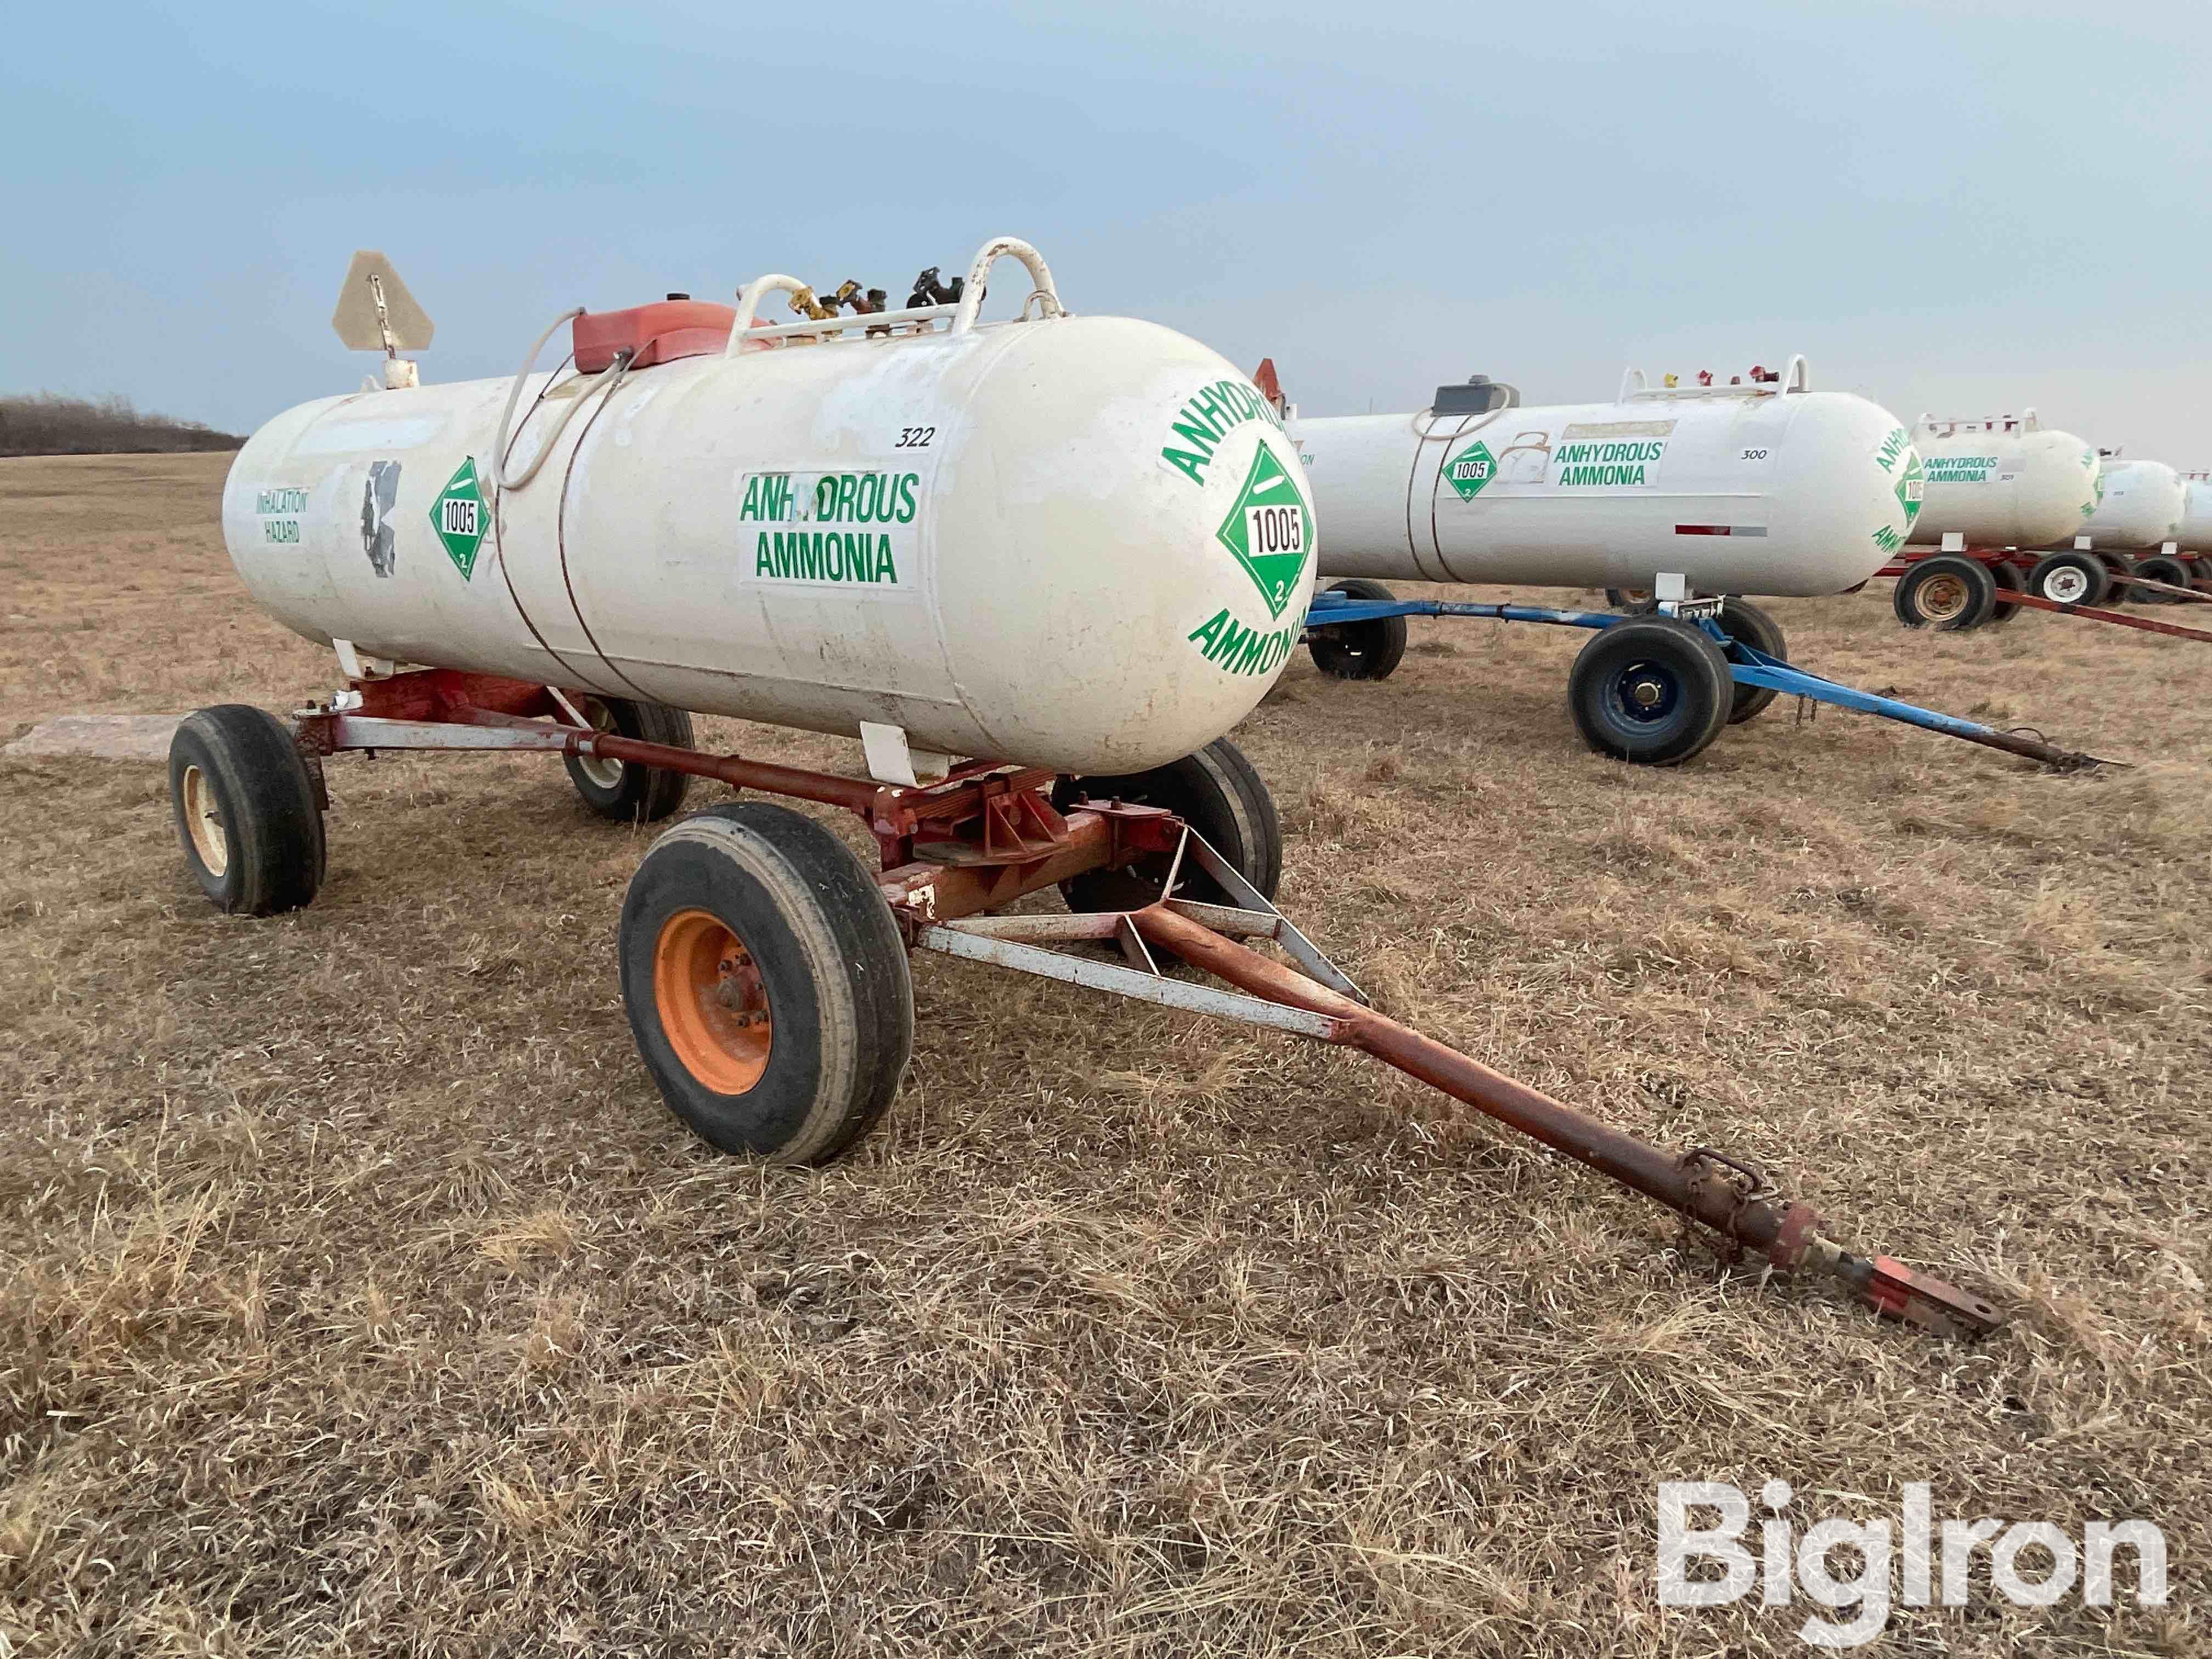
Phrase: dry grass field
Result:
[357,1293]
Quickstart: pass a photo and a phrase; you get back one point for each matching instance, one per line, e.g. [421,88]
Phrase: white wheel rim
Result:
[2065,585]
[603,774]
[203,823]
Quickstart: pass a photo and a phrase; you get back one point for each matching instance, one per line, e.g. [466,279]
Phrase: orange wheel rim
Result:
[712,1004]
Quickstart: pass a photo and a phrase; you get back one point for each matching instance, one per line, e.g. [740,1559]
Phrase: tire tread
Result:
[853,954]
[1384,638]
[1762,633]
[1218,788]
[645,794]
[1905,600]
[1708,681]
[278,853]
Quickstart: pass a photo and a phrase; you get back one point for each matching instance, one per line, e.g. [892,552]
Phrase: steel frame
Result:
[990,834]
[1746,665]
[2005,555]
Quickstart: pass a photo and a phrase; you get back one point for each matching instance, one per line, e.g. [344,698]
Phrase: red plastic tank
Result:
[659,333]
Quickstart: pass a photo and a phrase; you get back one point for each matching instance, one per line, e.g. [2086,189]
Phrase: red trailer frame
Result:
[2009,566]
[953,851]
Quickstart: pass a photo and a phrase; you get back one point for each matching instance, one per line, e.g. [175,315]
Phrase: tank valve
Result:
[804,304]
[928,291]
[867,304]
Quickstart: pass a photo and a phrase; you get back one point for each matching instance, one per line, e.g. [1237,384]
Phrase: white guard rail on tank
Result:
[1797,377]
[962,311]
[2023,422]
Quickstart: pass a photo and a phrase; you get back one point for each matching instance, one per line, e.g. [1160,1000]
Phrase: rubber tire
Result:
[643,794]
[1359,651]
[1632,601]
[1981,592]
[2117,591]
[2160,568]
[1216,792]
[265,808]
[2009,579]
[1748,622]
[1700,670]
[831,961]
[2091,566]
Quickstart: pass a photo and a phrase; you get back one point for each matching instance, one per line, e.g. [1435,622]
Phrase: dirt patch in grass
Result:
[357,1293]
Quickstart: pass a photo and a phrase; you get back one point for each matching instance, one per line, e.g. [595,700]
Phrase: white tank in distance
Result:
[2196,515]
[1075,542]
[2003,482]
[2139,507]
[1760,488]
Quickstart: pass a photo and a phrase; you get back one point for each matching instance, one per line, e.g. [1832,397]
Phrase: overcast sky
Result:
[1965,207]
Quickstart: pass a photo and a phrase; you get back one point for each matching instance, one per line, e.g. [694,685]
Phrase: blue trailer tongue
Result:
[1746,665]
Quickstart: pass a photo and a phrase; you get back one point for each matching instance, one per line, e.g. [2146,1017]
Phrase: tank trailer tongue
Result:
[1731,1198]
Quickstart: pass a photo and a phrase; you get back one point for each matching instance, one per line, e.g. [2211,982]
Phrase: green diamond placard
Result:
[1470,469]
[460,518]
[1911,486]
[1270,529]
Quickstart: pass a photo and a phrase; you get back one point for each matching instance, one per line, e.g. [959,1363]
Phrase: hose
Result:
[500,476]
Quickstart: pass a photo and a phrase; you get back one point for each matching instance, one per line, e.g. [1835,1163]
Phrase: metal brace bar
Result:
[1228,921]
[574,715]
[1126,982]
[1329,610]
[1092,925]
[886,321]
[367,731]
[1175,864]
[1138,954]
[1301,948]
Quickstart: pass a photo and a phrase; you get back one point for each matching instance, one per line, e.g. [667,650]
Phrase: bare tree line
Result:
[43,423]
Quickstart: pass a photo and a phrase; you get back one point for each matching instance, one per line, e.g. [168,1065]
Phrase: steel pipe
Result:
[1704,1186]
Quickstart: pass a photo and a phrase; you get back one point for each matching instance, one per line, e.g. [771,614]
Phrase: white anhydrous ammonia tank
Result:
[2002,483]
[2141,506]
[2196,515]
[1075,542]
[1758,489]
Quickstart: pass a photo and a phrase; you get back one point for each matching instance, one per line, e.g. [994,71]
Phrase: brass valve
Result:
[849,295]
